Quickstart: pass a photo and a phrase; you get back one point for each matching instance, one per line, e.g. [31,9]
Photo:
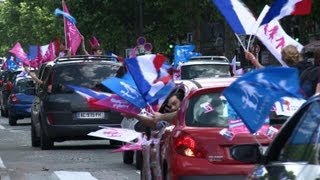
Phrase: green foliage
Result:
[114,22]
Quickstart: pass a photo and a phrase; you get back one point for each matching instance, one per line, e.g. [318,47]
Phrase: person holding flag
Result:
[96,49]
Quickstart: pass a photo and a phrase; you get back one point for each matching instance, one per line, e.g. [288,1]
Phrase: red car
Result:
[197,145]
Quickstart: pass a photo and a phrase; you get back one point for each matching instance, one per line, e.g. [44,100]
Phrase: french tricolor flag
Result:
[237,15]
[282,8]
[152,79]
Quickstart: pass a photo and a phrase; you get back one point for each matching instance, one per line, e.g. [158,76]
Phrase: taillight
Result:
[49,118]
[14,99]
[185,145]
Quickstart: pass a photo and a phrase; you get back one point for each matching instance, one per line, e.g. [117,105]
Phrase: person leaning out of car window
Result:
[36,79]
[165,115]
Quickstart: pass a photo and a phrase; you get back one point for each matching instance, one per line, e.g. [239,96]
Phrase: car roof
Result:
[210,58]
[199,83]
[200,62]
[83,58]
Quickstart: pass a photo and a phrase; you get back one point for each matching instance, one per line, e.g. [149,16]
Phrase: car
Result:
[209,58]
[20,99]
[6,85]
[294,153]
[197,144]
[58,112]
[202,69]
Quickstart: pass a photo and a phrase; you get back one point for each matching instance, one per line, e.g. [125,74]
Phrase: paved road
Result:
[78,160]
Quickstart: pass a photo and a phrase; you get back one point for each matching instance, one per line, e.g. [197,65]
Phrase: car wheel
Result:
[139,160]
[5,113]
[2,112]
[115,143]
[35,141]
[12,120]
[127,157]
[45,142]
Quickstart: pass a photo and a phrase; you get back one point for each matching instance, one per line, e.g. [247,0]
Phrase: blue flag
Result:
[33,52]
[126,88]
[11,64]
[58,12]
[184,53]
[253,95]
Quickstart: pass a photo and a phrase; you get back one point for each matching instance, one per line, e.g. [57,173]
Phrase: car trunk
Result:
[216,147]
[73,109]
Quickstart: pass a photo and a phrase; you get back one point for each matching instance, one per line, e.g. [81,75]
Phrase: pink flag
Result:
[94,42]
[47,52]
[72,34]
[19,53]
[118,104]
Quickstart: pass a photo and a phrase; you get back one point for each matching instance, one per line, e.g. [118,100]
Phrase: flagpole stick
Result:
[260,145]
[64,27]
[240,41]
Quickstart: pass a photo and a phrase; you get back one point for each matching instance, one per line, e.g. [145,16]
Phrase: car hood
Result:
[286,171]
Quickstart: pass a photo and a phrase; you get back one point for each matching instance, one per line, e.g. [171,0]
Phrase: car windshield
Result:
[25,85]
[213,110]
[304,143]
[87,75]
[204,71]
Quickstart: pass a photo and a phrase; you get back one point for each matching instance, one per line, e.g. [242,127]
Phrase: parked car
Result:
[8,77]
[58,113]
[20,99]
[294,153]
[197,145]
[202,69]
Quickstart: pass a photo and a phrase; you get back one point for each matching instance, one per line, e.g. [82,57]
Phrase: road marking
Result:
[1,127]
[1,164]
[68,175]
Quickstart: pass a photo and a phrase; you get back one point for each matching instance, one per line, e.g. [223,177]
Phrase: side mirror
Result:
[248,153]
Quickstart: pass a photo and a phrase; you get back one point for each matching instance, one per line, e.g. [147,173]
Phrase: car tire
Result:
[12,120]
[2,112]
[127,157]
[45,142]
[139,160]
[5,113]
[35,141]
[115,143]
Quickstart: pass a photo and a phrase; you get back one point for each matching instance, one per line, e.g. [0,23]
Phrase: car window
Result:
[208,110]
[24,85]
[213,110]
[205,70]
[87,75]
[304,142]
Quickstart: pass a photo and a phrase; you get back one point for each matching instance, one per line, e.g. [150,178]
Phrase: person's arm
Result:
[84,46]
[32,75]
[165,116]
[249,56]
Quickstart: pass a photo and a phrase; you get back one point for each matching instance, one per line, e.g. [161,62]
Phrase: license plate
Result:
[90,115]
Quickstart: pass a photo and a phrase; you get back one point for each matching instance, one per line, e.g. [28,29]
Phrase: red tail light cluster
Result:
[49,118]
[185,145]
[14,99]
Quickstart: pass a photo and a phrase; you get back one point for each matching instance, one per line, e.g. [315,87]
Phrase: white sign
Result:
[274,37]
[288,106]
[118,134]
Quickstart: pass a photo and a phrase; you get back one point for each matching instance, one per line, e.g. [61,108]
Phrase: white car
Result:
[203,69]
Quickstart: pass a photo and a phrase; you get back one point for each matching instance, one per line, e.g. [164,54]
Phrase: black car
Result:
[58,113]
[294,153]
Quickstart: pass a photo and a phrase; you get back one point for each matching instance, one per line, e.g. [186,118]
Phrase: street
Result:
[85,160]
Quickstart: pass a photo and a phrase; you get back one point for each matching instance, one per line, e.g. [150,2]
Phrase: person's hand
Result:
[249,56]
[157,116]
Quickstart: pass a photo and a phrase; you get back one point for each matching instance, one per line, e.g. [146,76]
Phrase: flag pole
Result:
[240,41]
[64,25]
